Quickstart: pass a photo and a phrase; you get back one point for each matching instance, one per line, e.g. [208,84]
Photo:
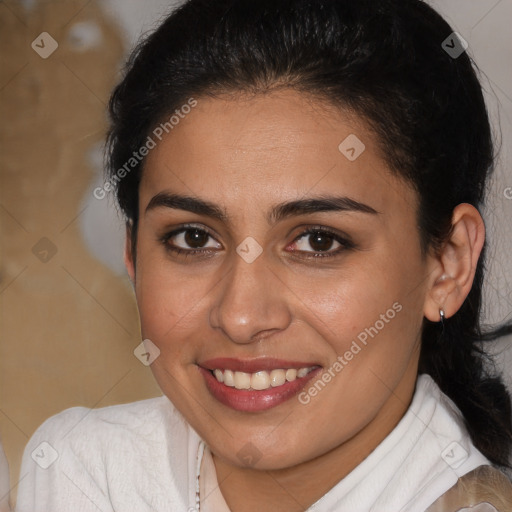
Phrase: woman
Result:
[302,183]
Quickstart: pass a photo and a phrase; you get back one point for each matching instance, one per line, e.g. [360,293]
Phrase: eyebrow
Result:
[280,211]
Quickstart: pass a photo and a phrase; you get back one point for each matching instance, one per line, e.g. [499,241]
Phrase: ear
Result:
[128,253]
[453,269]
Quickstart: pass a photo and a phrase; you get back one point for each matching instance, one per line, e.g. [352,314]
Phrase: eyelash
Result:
[345,244]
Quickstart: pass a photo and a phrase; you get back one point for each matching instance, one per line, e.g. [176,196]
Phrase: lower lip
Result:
[247,400]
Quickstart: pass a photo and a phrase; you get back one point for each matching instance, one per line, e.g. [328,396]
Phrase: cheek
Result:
[168,299]
[343,304]
[371,333]
[169,302]
[371,315]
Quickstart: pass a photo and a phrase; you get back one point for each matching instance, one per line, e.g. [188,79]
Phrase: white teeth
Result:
[242,380]
[302,372]
[228,378]
[291,374]
[260,380]
[277,378]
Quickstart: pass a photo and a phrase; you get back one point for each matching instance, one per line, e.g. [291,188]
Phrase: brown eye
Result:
[196,238]
[190,240]
[320,242]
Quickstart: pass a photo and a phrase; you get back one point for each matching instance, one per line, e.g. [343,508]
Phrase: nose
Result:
[252,302]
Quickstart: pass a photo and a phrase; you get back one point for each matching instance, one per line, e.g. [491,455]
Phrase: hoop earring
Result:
[441,319]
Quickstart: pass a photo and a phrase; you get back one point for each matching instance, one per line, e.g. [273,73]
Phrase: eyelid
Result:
[313,228]
[343,239]
[186,227]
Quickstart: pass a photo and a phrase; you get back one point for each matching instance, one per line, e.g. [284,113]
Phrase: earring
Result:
[441,319]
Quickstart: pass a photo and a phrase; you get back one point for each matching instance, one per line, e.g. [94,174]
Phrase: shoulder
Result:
[107,440]
[123,457]
[484,485]
[93,430]
[440,451]
[468,478]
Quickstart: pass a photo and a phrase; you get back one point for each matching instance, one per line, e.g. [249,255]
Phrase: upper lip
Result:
[252,365]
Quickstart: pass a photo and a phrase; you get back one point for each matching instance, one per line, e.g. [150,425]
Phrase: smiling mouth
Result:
[260,380]
[258,384]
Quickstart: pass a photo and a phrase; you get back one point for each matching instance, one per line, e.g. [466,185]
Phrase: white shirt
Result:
[144,457]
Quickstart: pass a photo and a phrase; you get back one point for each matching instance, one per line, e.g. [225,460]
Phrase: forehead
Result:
[269,147]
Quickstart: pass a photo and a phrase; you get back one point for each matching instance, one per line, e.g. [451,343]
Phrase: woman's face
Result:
[266,298]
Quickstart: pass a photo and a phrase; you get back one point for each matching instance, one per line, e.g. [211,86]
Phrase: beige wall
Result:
[68,325]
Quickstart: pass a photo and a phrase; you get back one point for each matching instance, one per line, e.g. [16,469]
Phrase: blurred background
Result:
[68,322]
